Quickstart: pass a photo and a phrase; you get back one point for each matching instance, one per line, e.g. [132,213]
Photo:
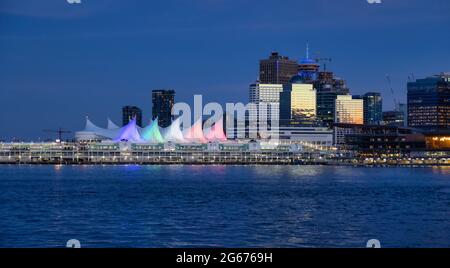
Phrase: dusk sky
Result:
[60,62]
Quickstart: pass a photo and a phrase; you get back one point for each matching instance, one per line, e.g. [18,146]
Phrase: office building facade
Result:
[328,87]
[277,69]
[377,140]
[267,97]
[403,107]
[429,103]
[163,102]
[349,110]
[373,108]
[298,103]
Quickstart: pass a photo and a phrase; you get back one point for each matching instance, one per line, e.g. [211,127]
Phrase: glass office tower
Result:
[373,108]
[298,103]
[328,87]
[429,103]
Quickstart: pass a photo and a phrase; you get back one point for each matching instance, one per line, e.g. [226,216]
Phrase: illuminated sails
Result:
[151,133]
[173,133]
[129,133]
[195,133]
[215,133]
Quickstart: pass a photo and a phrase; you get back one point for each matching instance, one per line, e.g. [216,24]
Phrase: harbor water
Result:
[223,206]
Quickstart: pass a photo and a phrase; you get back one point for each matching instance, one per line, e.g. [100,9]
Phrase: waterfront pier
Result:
[201,154]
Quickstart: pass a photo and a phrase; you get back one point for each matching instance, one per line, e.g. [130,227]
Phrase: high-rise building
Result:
[163,102]
[429,103]
[130,112]
[349,110]
[277,69]
[402,107]
[269,95]
[328,88]
[373,108]
[298,103]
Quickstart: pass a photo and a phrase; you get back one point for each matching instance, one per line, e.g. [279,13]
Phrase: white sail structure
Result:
[94,132]
[111,125]
[173,133]
[152,133]
[195,133]
[215,133]
[129,132]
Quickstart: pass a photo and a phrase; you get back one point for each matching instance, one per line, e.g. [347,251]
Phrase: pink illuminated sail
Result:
[216,132]
[195,133]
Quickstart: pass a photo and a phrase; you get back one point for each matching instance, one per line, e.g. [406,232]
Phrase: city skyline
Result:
[69,72]
[225,131]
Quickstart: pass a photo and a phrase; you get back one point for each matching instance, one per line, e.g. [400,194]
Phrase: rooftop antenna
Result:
[307,50]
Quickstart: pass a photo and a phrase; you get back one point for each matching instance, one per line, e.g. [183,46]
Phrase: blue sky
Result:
[60,62]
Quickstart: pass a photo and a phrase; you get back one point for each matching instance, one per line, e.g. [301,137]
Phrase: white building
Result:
[268,95]
[309,137]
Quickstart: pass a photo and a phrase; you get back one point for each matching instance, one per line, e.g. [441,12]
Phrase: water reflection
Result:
[247,206]
[57,168]
[292,172]
[442,170]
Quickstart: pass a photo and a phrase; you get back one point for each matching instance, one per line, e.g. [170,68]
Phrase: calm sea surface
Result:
[223,206]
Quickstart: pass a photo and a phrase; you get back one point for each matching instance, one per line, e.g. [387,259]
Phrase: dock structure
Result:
[236,153]
[168,153]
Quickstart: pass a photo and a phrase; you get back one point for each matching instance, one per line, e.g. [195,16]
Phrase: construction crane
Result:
[60,132]
[411,78]
[388,78]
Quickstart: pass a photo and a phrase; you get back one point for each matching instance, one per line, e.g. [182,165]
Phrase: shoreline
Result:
[358,165]
[68,153]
